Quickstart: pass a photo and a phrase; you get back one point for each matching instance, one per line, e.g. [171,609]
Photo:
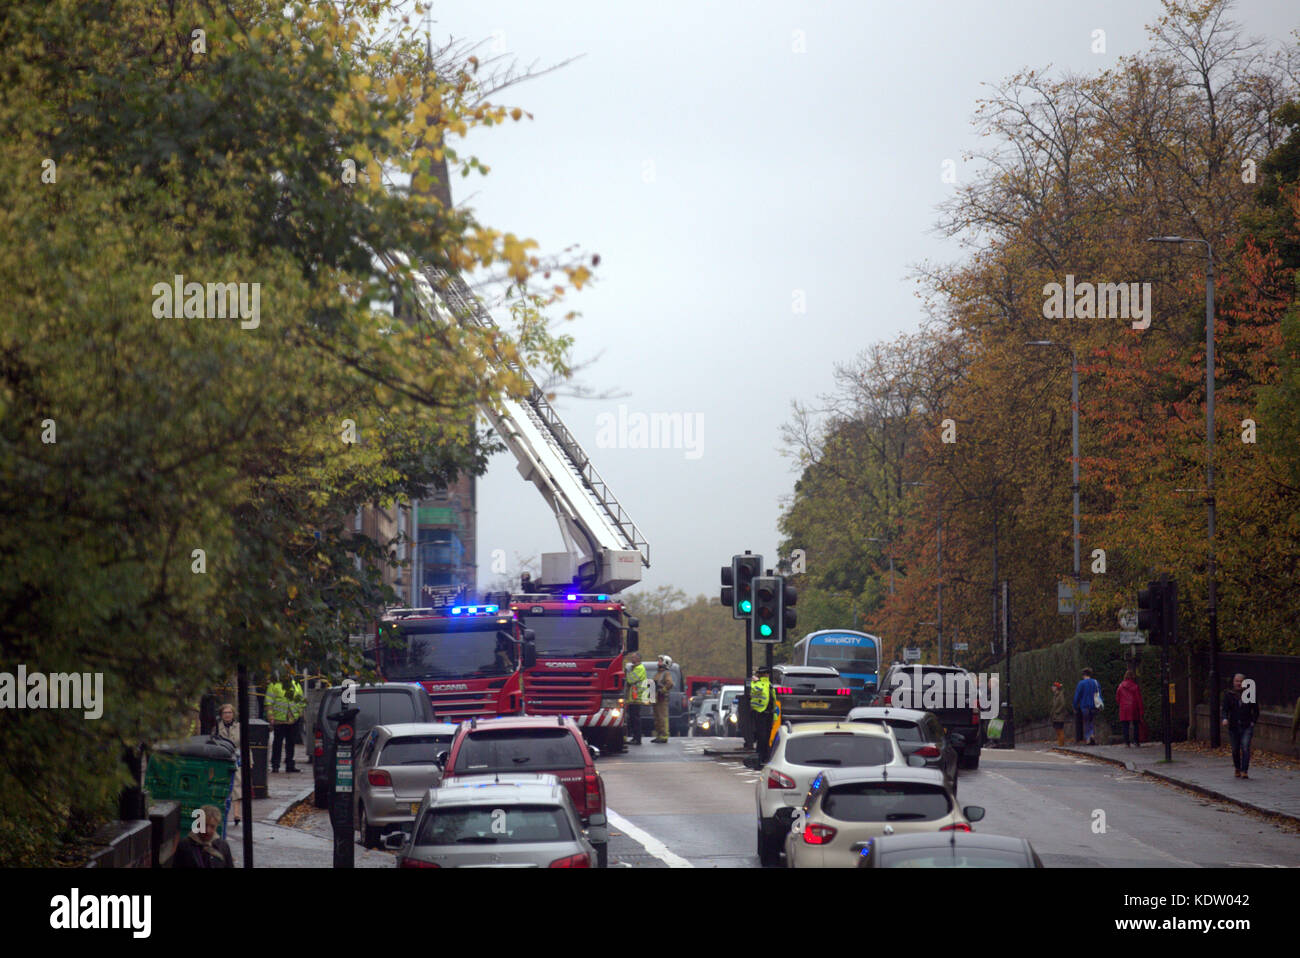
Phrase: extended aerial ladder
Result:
[605,551]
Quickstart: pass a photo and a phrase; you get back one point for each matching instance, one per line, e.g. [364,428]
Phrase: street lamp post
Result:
[1074,458]
[1212,585]
[939,583]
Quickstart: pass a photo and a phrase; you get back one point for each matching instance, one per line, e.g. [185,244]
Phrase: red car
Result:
[530,744]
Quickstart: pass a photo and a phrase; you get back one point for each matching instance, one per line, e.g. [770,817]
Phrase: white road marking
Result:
[647,841]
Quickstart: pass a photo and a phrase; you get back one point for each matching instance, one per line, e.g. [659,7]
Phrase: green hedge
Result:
[1032,675]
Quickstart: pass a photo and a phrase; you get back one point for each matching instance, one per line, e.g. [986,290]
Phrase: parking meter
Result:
[341,785]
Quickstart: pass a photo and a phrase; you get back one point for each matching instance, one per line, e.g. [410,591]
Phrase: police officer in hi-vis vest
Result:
[635,695]
[760,703]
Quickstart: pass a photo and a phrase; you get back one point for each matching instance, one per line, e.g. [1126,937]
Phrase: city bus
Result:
[855,655]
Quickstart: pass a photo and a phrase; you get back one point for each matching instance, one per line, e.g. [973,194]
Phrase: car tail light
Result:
[591,789]
[929,751]
[956,827]
[320,744]
[573,861]
[377,776]
[817,834]
[974,717]
[783,690]
[776,780]
[416,863]
[843,691]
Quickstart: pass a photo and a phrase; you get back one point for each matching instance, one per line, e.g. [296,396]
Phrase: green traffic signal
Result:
[765,630]
[746,606]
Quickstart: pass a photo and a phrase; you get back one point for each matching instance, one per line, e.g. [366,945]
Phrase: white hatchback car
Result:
[802,752]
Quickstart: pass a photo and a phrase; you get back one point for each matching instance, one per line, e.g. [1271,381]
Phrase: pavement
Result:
[306,844]
[1272,789]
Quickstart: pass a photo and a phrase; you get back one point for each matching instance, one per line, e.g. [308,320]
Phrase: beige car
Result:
[846,808]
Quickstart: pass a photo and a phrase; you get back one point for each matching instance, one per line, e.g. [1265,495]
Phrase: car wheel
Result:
[769,849]
[971,761]
[602,855]
[322,797]
[369,836]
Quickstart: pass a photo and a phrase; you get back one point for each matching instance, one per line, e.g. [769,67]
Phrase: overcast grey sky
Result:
[721,174]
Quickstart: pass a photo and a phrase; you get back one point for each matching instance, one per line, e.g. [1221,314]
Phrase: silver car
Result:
[396,766]
[706,719]
[846,809]
[496,821]
[801,752]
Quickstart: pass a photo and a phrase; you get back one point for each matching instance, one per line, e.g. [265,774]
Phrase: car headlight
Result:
[616,713]
[731,718]
[704,724]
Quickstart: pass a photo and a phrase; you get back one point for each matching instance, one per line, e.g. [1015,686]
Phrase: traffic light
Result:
[1151,612]
[743,570]
[789,596]
[728,590]
[767,608]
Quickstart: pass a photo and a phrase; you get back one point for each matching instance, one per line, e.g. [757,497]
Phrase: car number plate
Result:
[415,808]
[815,705]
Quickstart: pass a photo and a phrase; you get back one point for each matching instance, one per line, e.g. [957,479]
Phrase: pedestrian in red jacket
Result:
[1129,698]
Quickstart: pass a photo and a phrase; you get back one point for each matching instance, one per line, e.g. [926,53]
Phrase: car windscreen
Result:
[519,750]
[432,649]
[836,749]
[945,858]
[377,707]
[574,634]
[503,824]
[414,750]
[904,729]
[837,652]
[728,697]
[886,802]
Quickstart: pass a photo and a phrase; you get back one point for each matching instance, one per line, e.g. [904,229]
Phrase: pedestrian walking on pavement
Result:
[284,707]
[635,695]
[203,849]
[1060,712]
[663,685]
[1129,699]
[1087,701]
[228,729]
[1240,717]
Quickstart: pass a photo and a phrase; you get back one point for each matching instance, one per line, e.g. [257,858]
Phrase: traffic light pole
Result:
[1009,728]
[747,716]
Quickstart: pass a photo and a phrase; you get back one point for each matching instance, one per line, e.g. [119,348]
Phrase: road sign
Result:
[1065,596]
[1128,620]
[911,655]
[1132,638]
[960,646]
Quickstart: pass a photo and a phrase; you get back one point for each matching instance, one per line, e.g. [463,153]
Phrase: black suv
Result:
[949,692]
[389,703]
[811,693]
